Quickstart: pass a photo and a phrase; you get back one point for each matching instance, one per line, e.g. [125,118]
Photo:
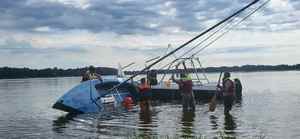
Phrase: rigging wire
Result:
[229,29]
[186,43]
[203,41]
[230,22]
[221,35]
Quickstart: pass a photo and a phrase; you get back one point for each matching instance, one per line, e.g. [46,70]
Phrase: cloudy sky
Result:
[78,33]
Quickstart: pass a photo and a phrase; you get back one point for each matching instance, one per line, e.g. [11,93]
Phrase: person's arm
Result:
[99,77]
[173,79]
[220,88]
[139,87]
[176,81]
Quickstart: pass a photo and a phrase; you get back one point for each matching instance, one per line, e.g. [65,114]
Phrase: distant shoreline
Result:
[244,68]
[16,73]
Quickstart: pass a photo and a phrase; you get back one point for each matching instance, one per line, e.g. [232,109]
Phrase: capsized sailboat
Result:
[92,95]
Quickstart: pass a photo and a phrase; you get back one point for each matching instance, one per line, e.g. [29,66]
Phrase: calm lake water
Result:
[270,109]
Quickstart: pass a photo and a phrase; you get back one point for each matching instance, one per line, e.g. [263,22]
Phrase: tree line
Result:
[244,68]
[12,73]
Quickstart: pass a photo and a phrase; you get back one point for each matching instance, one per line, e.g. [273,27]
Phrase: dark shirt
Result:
[185,86]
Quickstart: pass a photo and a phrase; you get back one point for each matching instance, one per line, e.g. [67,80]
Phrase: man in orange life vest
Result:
[228,92]
[145,94]
[186,89]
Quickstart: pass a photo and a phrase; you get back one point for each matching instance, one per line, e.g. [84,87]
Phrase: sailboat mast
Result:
[188,42]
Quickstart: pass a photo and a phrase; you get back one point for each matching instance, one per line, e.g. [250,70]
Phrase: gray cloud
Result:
[13,46]
[120,17]
[296,4]
[240,50]
[101,16]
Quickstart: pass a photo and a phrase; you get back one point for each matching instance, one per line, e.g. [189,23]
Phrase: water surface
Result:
[270,109]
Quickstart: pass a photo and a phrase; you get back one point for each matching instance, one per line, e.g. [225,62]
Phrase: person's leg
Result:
[185,102]
[226,104]
[148,102]
[230,103]
[142,104]
[192,102]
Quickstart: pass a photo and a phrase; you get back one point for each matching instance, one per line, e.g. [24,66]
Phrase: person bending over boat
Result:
[145,94]
[91,74]
[186,89]
[228,92]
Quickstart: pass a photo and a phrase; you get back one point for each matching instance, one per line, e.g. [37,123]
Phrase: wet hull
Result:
[170,92]
[85,98]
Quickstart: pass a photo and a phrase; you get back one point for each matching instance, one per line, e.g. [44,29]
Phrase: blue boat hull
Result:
[91,96]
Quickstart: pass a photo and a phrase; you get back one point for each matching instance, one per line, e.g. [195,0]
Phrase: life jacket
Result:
[188,77]
[144,87]
[186,86]
[90,76]
[93,76]
[228,90]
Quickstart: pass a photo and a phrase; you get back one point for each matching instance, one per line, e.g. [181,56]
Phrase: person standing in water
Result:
[91,74]
[145,94]
[238,89]
[228,92]
[186,89]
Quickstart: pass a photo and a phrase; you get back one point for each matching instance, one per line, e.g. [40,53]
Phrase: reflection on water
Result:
[145,121]
[229,124]
[140,123]
[60,123]
[116,122]
[239,102]
[270,109]
[187,121]
[214,122]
